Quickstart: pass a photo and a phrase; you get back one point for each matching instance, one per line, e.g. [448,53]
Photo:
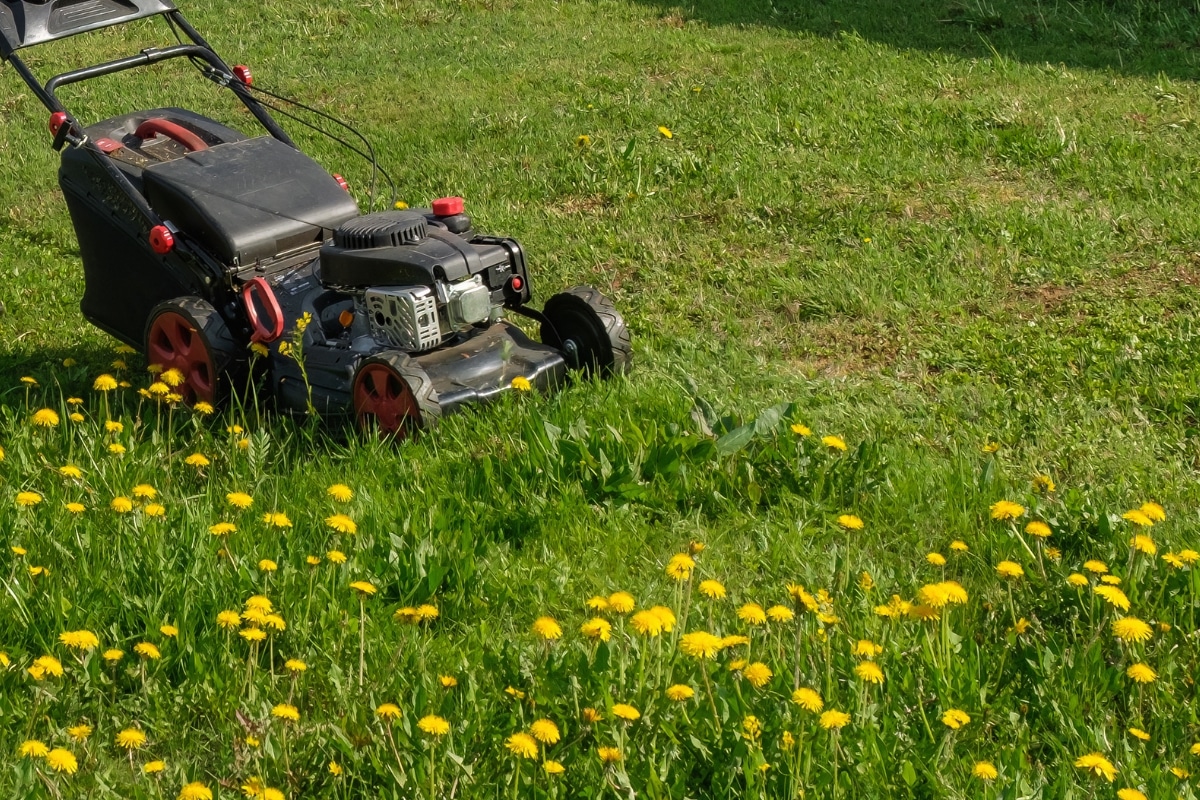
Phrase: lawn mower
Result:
[228,257]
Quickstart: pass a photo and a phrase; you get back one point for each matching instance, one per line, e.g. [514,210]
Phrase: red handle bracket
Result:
[153,127]
[271,329]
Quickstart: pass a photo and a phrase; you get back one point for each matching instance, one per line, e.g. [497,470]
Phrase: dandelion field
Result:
[899,499]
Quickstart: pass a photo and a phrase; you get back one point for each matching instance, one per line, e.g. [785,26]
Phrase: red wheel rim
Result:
[382,396]
[175,343]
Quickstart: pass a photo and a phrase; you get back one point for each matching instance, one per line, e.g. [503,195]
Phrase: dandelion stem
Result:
[711,702]
[362,637]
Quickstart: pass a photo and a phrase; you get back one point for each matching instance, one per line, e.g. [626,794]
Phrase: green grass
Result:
[922,231]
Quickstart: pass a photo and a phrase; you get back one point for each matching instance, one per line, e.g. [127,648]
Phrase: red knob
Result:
[447,206]
[243,74]
[162,241]
[57,120]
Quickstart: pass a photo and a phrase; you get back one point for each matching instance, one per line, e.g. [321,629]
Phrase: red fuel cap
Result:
[447,206]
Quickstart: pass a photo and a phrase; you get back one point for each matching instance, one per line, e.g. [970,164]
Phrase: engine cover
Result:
[404,317]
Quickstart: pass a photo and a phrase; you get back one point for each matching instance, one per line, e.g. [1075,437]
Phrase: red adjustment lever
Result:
[243,74]
[57,120]
[271,329]
[162,241]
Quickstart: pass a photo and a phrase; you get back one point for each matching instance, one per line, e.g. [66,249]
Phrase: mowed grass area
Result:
[926,232]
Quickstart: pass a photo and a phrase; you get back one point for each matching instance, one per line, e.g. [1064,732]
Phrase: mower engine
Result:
[419,278]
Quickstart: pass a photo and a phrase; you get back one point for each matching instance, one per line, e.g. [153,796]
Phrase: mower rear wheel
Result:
[187,334]
[589,331]
[393,394]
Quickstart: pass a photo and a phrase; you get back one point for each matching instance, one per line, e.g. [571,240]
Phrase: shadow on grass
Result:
[1137,37]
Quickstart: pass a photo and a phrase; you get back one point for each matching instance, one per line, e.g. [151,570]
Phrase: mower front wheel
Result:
[394,395]
[588,329]
[188,335]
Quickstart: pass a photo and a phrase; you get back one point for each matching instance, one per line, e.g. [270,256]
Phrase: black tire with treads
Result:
[592,334]
[210,347]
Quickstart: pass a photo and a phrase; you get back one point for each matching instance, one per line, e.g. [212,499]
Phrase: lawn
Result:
[960,239]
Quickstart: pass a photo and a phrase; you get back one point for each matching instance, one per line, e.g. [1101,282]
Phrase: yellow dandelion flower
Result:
[197,460]
[286,711]
[1143,544]
[46,665]
[680,566]
[713,590]
[121,505]
[700,644]
[79,640]
[985,771]
[433,725]
[833,720]
[1114,596]
[596,628]
[621,602]
[336,557]
[1130,794]
[32,748]
[780,614]
[547,628]
[545,731]
[1006,509]
[1137,517]
[448,681]
[801,430]
[1043,483]
[203,409]
[758,674]
[117,449]
[608,755]
[342,524]
[646,623]
[521,384]
[665,131]
[229,620]
[239,500]
[808,699]
[147,650]
[1138,733]
[1189,556]
[834,443]
[80,733]
[865,648]
[1141,673]
[1131,629]
[131,739]
[312,561]
[522,745]
[335,769]
[340,492]
[144,491]
[70,471]
[1010,569]
[680,692]
[388,711]
[277,519]
[295,665]
[267,565]
[552,767]
[870,672]
[365,588]
[955,718]
[196,791]
[104,383]
[45,418]
[28,499]
[626,712]
[113,655]
[1098,765]
[1154,511]
[62,760]
[936,559]
[850,522]
[153,767]
[253,634]
[1038,528]
[752,614]
[591,716]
